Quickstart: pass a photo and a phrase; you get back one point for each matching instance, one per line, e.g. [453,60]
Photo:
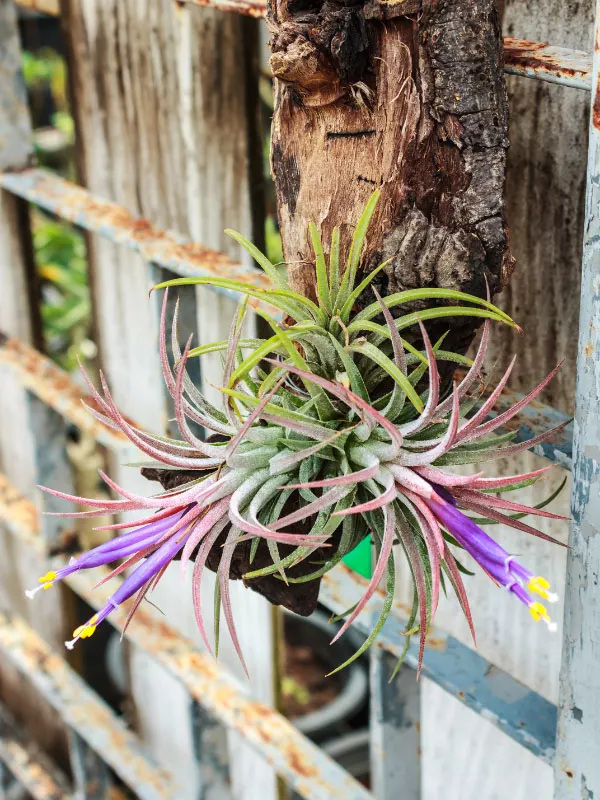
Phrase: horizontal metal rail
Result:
[83,711]
[57,389]
[31,768]
[509,705]
[307,768]
[521,57]
[167,250]
[547,63]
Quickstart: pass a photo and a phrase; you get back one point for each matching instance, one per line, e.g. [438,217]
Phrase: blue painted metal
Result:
[509,705]
[534,419]
[577,769]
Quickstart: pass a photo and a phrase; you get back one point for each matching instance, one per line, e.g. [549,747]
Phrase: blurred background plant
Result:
[66,311]
[59,249]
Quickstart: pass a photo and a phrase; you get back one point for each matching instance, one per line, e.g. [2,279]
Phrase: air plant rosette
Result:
[333,429]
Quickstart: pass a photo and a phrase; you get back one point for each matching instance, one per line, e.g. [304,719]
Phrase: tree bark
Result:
[408,97]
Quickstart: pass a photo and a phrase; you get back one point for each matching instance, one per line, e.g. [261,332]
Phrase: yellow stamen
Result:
[538,611]
[541,586]
[47,579]
[87,630]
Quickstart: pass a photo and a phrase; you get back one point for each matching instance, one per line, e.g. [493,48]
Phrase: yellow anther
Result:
[47,578]
[87,630]
[538,611]
[541,586]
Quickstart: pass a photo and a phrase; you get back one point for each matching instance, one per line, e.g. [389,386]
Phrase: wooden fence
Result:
[165,101]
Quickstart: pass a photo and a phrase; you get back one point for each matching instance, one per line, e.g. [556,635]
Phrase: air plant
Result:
[333,429]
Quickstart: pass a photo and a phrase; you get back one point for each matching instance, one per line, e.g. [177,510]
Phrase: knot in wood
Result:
[322,49]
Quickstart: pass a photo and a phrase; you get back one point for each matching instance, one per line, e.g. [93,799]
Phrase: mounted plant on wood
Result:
[408,97]
[333,429]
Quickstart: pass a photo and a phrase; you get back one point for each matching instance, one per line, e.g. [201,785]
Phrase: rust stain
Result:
[299,764]
[596,106]
[247,7]
[55,387]
[32,775]
[80,207]
[537,56]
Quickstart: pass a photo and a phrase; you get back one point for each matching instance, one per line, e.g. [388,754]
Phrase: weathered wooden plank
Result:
[163,123]
[577,769]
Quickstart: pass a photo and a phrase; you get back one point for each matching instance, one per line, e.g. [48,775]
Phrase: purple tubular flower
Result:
[492,557]
[113,550]
[141,576]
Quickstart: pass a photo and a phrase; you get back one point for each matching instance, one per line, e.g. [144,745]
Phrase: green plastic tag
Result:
[359,559]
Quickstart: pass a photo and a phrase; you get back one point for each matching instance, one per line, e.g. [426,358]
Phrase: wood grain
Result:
[162,100]
[413,104]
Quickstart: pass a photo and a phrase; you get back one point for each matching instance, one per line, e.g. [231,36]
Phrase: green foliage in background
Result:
[59,249]
[62,266]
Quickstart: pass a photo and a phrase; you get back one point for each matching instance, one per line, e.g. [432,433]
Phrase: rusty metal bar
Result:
[55,387]
[577,767]
[547,63]
[307,769]
[28,765]
[167,250]
[83,711]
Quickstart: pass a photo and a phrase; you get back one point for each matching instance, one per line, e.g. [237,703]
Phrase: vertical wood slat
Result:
[577,767]
[395,728]
[163,128]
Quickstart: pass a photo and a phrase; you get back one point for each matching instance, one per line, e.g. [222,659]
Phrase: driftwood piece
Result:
[408,97]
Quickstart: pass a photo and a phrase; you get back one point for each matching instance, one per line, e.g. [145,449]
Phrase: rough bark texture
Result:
[406,97]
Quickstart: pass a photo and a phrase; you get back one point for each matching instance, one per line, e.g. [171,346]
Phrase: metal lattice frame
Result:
[99,738]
